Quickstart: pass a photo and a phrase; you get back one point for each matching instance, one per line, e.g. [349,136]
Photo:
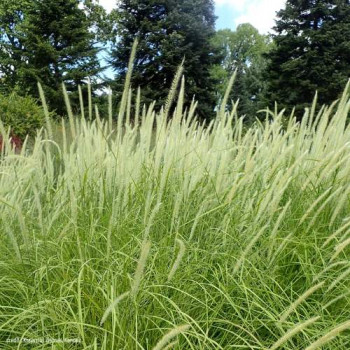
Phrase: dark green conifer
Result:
[312,53]
[49,41]
[168,31]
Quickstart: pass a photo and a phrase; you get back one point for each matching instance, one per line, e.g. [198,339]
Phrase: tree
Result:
[49,41]
[242,50]
[11,18]
[168,31]
[312,52]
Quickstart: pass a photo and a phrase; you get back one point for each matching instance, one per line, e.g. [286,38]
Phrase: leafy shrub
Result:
[22,114]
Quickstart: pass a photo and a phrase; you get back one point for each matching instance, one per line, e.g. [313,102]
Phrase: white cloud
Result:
[260,13]
[238,5]
[109,5]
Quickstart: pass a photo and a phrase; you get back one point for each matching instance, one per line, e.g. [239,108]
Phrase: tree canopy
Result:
[49,41]
[168,31]
[59,41]
[312,52]
[242,50]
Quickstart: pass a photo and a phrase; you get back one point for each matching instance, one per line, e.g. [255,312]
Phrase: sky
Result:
[260,13]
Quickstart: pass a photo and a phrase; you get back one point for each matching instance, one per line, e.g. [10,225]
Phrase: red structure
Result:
[15,141]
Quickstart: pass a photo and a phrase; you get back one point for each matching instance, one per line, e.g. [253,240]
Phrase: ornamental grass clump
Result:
[249,229]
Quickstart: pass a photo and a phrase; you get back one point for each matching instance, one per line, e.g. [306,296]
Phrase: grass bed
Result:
[162,234]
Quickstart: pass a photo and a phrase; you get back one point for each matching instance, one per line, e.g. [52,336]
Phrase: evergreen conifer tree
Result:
[312,52]
[168,31]
[49,41]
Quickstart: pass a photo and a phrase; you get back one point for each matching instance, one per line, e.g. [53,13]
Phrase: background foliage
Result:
[47,41]
[69,41]
[168,32]
[311,52]
[242,50]
[22,114]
